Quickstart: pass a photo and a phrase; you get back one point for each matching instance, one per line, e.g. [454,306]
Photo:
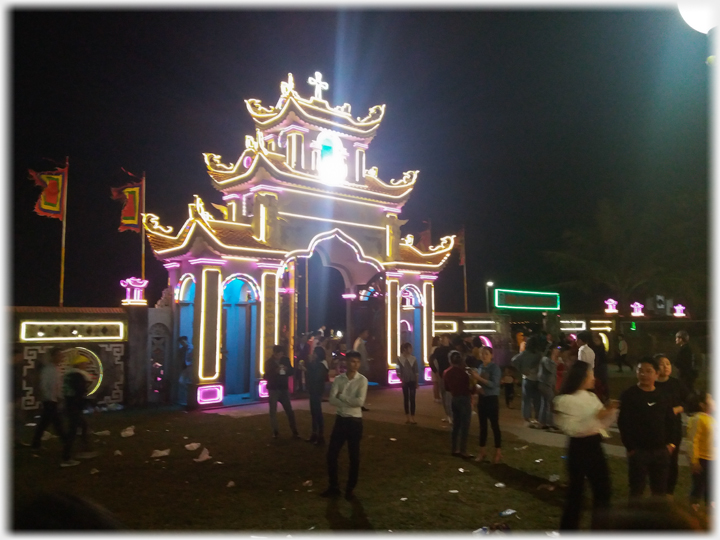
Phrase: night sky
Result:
[519,122]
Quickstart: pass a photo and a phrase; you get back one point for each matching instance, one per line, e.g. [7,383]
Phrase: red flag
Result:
[461,245]
[52,199]
[131,197]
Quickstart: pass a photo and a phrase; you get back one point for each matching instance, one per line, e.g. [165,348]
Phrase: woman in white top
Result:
[581,415]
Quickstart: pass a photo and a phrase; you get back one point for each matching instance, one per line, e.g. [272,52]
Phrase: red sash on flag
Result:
[131,197]
[52,199]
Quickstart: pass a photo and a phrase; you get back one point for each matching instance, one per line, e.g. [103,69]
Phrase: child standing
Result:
[703,452]
[508,384]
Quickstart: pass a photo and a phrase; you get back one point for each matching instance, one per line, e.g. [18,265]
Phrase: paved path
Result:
[386,405]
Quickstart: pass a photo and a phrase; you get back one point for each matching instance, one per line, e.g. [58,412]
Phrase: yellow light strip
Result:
[133,302]
[233,205]
[601,322]
[354,244]
[262,224]
[389,297]
[397,320]
[278,276]
[238,258]
[234,223]
[608,328]
[453,327]
[323,196]
[25,324]
[423,265]
[437,252]
[262,321]
[203,309]
[330,220]
[387,240]
[185,279]
[426,328]
[187,238]
[240,248]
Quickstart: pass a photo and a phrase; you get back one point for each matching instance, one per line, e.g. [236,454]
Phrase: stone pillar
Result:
[392,321]
[268,313]
[207,327]
[138,361]
[428,317]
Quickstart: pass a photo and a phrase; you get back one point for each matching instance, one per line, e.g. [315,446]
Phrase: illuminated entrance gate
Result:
[299,187]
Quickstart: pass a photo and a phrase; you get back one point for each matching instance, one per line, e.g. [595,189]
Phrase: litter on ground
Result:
[403,498]
[193,446]
[94,471]
[393,439]
[230,484]
[128,432]
[538,460]
[500,485]
[453,491]
[204,456]
[508,512]
[307,483]
[521,448]
[118,453]
[102,433]
[160,453]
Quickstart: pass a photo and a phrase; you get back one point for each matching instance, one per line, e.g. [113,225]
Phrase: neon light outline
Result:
[393,378]
[611,306]
[24,327]
[497,298]
[637,309]
[327,220]
[486,341]
[340,235]
[388,283]
[100,367]
[453,327]
[214,262]
[679,310]
[201,354]
[262,389]
[428,374]
[180,287]
[218,388]
[417,295]
[246,278]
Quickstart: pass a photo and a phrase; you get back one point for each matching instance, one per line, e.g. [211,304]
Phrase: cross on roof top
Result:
[319,84]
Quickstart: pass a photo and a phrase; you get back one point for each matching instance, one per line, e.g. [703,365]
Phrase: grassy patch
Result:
[176,493]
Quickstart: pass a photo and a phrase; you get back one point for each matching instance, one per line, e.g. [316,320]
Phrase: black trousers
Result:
[76,420]
[409,390]
[345,429]
[509,392]
[673,469]
[585,458]
[49,415]
[701,483]
[653,464]
[489,409]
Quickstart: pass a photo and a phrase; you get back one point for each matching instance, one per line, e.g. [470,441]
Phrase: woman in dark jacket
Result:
[315,378]
[678,393]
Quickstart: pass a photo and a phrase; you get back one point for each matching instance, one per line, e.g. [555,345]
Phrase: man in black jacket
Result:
[277,371]
[684,360]
[646,423]
[440,357]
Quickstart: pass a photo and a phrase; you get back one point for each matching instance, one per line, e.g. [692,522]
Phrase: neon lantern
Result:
[134,288]
[679,311]
[262,389]
[611,306]
[428,374]
[637,309]
[211,393]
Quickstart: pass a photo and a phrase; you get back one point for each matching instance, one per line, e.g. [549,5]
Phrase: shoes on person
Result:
[349,495]
[87,455]
[364,408]
[331,492]
[70,463]
[312,438]
[320,441]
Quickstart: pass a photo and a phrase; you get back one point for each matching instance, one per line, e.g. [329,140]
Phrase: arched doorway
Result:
[411,322]
[241,297]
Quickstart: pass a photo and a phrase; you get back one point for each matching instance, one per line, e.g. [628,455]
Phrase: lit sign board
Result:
[505,298]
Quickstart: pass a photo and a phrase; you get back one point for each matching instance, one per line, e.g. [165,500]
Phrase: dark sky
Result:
[519,121]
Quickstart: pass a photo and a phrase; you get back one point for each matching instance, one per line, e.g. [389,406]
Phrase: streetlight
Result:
[487,298]
[701,17]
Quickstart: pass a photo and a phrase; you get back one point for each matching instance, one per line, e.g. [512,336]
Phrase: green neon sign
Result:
[509,299]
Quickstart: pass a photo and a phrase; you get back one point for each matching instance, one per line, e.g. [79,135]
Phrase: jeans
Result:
[585,458]
[547,393]
[409,390]
[345,429]
[318,422]
[461,415]
[489,409]
[652,464]
[284,398]
[446,399]
[49,415]
[530,399]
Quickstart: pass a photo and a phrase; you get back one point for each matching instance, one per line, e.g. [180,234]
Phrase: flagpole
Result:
[142,229]
[64,221]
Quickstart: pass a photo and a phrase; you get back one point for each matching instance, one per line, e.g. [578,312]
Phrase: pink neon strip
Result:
[247,162]
[262,389]
[172,265]
[393,274]
[485,341]
[429,277]
[393,378]
[349,296]
[208,261]
[210,394]
[231,196]
[408,325]
[428,374]
[265,188]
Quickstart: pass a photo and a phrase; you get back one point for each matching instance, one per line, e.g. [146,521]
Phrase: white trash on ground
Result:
[307,483]
[102,433]
[94,471]
[118,453]
[160,453]
[204,456]
[193,446]
[128,432]
[230,484]
[500,485]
